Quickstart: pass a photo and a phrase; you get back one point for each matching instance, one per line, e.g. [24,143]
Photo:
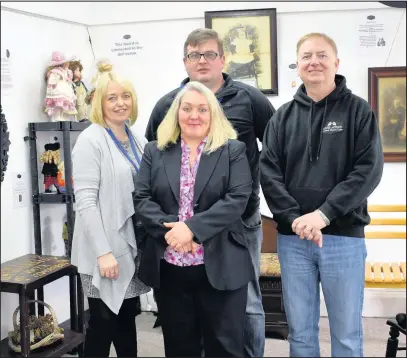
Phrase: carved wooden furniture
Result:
[270,283]
[28,273]
[393,342]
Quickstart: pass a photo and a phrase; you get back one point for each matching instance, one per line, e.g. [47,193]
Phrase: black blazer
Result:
[222,188]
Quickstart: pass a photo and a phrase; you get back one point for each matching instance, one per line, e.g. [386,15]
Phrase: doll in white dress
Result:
[60,100]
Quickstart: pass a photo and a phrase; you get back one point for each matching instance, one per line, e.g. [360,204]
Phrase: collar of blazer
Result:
[172,164]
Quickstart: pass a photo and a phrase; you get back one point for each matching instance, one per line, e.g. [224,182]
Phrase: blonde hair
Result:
[328,39]
[51,156]
[101,81]
[220,130]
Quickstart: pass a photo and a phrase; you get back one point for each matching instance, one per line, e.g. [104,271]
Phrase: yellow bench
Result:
[386,274]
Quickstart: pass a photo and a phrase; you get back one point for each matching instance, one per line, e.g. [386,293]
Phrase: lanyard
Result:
[124,151]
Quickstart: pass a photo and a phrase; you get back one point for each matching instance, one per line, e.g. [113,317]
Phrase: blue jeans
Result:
[255,321]
[340,268]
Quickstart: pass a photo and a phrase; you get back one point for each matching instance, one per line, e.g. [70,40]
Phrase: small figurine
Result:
[65,237]
[61,177]
[60,100]
[51,159]
[80,90]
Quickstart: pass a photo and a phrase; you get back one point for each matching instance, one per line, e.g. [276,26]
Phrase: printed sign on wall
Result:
[126,47]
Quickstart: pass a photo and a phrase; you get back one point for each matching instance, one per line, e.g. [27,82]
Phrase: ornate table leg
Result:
[392,342]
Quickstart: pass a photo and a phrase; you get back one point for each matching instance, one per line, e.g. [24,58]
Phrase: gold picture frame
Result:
[250,45]
[387,96]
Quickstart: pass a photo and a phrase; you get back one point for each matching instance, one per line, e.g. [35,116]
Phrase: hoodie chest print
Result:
[332,127]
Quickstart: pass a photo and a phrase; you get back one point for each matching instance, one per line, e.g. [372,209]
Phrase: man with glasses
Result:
[249,111]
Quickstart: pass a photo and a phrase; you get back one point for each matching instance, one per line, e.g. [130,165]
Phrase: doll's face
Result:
[77,75]
[117,105]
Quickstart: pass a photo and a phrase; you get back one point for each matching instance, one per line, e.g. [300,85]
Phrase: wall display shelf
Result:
[66,198]
[27,275]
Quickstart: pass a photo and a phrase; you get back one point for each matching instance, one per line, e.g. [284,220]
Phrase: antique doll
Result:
[89,97]
[60,99]
[80,90]
[51,159]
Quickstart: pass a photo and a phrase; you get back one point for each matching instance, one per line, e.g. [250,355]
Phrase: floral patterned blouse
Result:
[186,206]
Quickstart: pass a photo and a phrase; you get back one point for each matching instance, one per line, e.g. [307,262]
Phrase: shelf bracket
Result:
[68,198]
[37,198]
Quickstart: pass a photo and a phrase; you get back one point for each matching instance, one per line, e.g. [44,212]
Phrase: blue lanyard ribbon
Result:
[124,151]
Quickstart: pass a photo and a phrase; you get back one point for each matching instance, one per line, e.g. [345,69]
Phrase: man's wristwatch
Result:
[323,216]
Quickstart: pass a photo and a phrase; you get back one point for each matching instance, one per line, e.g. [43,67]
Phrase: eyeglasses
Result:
[208,56]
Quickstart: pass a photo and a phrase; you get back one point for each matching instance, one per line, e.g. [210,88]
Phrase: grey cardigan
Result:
[103,186]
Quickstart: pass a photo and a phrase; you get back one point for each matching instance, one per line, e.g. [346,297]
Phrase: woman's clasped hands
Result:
[180,237]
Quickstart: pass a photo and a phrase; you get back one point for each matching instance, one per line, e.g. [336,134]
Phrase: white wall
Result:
[31,41]
[109,12]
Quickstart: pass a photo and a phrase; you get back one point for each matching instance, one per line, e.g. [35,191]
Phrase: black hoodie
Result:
[323,155]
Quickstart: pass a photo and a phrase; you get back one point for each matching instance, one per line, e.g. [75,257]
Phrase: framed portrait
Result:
[387,96]
[250,45]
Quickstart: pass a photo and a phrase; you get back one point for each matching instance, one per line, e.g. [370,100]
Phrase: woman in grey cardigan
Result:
[106,159]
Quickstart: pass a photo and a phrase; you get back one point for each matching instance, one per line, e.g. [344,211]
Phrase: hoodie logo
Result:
[332,127]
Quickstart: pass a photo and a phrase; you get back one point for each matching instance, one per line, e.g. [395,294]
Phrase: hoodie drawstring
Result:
[322,129]
[310,132]
[320,133]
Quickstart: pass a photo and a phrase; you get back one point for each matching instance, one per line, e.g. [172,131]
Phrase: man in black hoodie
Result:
[321,159]
[249,111]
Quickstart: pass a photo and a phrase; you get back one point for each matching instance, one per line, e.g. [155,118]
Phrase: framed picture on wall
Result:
[387,96]
[250,45]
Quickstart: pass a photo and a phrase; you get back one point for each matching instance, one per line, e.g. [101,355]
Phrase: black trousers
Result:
[106,327]
[190,308]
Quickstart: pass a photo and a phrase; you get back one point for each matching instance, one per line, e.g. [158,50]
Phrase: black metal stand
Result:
[27,288]
[39,198]
[393,342]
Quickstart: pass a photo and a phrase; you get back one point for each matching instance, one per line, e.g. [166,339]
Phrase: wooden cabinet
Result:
[270,283]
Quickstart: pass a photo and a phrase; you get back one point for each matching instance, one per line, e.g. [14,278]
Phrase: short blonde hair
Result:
[101,81]
[328,39]
[220,130]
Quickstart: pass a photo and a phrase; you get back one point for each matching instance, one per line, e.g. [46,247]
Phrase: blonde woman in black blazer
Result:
[203,295]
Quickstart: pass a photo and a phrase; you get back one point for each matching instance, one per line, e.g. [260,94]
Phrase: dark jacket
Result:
[247,109]
[323,155]
[222,189]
